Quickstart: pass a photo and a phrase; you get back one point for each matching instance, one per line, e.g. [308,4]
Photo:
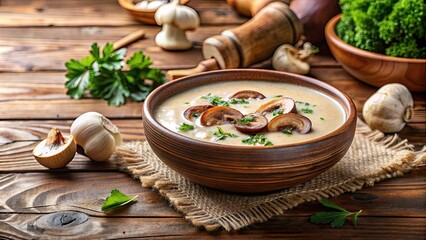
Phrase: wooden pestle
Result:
[254,41]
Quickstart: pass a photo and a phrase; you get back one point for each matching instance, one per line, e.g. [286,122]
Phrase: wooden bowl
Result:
[374,68]
[145,16]
[247,169]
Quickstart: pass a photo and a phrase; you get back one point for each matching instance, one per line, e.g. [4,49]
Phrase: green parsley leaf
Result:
[287,131]
[215,100]
[116,199]
[104,76]
[238,101]
[257,139]
[246,120]
[335,218]
[307,110]
[278,111]
[222,135]
[278,96]
[185,127]
[322,118]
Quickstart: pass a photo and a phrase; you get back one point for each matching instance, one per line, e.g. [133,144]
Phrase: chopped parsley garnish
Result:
[222,135]
[196,114]
[186,102]
[322,118]
[257,139]
[277,112]
[307,110]
[278,96]
[185,127]
[287,131]
[215,100]
[238,101]
[246,120]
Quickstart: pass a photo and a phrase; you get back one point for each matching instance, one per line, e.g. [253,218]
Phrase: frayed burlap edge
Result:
[129,161]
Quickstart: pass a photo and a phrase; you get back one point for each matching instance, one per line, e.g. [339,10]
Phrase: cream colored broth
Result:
[326,117]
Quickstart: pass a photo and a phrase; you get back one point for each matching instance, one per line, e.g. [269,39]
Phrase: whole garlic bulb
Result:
[96,134]
[389,109]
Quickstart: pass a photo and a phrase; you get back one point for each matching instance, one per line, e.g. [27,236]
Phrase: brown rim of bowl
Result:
[149,114]
[129,5]
[330,33]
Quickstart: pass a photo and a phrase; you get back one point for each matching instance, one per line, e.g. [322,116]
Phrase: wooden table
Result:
[37,37]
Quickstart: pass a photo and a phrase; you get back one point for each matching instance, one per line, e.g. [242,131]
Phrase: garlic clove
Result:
[56,151]
[389,109]
[97,135]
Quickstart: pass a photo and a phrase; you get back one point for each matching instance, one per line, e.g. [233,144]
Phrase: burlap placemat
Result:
[372,157]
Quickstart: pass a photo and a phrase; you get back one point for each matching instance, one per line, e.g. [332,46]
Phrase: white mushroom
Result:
[389,109]
[175,19]
[291,59]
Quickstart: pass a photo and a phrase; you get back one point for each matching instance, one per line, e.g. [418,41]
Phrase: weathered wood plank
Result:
[18,139]
[45,92]
[85,192]
[35,49]
[26,226]
[97,13]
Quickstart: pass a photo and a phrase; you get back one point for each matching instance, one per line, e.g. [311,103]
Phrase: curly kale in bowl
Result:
[391,27]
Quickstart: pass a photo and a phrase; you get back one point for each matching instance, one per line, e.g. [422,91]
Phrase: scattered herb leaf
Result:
[196,114]
[104,76]
[287,131]
[307,110]
[222,135]
[185,127]
[215,100]
[186,102]
[278,111]
[278,96]
[336,219]
[257,139]
[116,199]
[322,118]
[246,120]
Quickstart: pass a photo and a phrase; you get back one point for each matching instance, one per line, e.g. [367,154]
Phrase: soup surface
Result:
[325,114]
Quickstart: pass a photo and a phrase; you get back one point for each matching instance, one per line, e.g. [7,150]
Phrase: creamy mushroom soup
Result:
[269,99]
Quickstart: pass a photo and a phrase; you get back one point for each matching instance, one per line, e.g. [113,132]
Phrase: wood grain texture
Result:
[80,191]
[25,92]
[26,226]
[47,49]
[56,13]
[376,69]
[18,138]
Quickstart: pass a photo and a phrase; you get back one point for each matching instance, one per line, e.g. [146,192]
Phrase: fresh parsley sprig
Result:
[335,218]
[102,74]
[116,199]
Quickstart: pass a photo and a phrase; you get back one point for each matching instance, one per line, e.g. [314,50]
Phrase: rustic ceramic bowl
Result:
[247,169]
[145,16]
[373,68]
